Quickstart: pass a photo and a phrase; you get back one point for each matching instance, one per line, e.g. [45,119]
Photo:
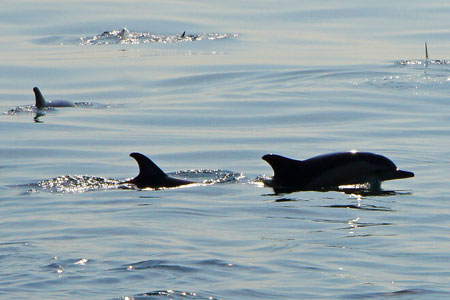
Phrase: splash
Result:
[76,184]
[125,36]
[208,176]
[21,109]
[40,112]
[69,184]
[34,109]
[424,62]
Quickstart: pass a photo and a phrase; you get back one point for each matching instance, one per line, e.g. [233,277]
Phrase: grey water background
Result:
[299,78]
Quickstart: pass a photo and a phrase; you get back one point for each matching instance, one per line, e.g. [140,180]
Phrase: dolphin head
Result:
[384,168]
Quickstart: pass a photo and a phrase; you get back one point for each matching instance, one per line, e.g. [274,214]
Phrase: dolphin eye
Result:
[379,170]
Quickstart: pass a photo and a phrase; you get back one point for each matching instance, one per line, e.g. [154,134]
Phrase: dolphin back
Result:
[40,100]
[287,171]
[151,176]
[147,168]
[282,165]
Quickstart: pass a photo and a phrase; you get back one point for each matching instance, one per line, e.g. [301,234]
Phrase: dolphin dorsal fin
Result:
[40,100]
[147,167]
[282,166]
[183,35]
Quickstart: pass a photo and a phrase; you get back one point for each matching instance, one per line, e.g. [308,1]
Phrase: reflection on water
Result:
[365,190]
[287,84]
[286,200]
[39,113]
[360,206]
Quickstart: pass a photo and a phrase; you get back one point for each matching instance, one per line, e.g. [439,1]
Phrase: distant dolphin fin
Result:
[183,35]
[427,59]
[281,165]
[40,100]
[147,167]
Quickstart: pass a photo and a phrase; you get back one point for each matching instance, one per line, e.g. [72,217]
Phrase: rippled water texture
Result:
[205,89]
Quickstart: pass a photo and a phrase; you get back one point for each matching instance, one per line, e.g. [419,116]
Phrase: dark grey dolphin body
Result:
[151,176]
[331,171]
[41,103]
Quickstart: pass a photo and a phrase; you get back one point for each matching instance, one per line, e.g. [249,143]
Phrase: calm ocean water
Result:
[294,78]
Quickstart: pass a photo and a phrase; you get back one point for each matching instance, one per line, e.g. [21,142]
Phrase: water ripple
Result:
[158,264]
[401,294]
[168,294]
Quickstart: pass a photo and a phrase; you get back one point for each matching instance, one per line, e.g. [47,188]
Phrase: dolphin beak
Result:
[397,174]
[404,174]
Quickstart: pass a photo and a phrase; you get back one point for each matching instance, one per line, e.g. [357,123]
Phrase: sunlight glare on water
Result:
[205,89]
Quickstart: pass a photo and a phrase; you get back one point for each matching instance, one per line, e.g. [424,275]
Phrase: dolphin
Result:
[124,34]
[190,37]
[41,103]
[151,176]
[332,170]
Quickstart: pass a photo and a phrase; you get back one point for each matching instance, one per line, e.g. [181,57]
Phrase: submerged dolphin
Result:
[331,171]
[151,176]
[41,103]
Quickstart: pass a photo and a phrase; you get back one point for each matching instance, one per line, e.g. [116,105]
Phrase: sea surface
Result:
[205,89]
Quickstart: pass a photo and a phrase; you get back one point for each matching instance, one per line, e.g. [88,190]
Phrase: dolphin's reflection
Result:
[365,191]
[39,113]
[359,206]
[356,193]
